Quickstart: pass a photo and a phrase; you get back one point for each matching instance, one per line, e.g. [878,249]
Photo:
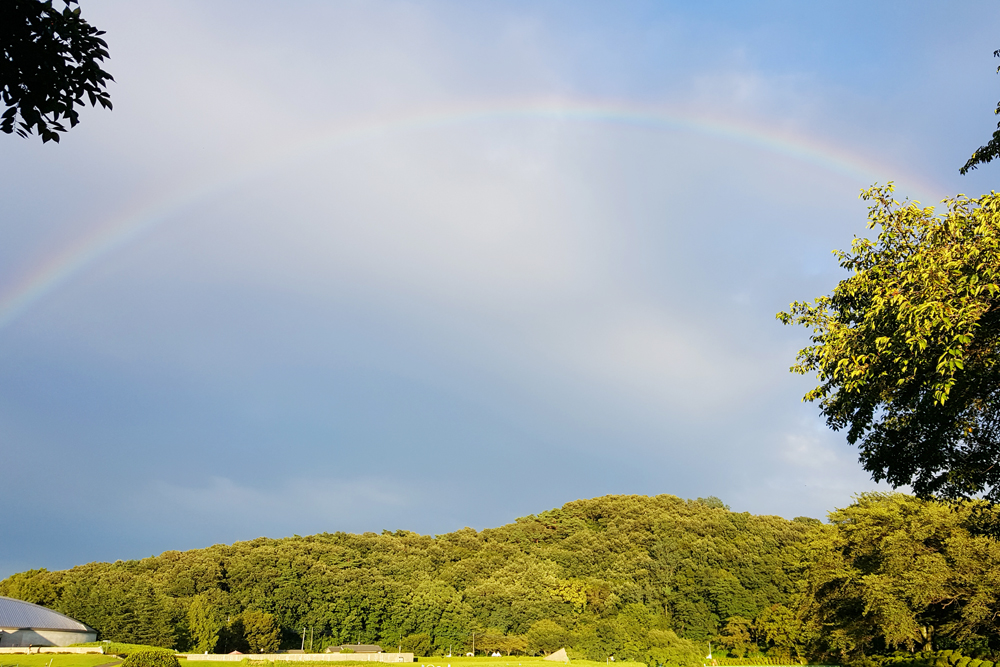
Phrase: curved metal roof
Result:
[20,614]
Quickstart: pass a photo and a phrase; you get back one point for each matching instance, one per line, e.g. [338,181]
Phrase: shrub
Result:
[963,662]
[151,658]
[975,663]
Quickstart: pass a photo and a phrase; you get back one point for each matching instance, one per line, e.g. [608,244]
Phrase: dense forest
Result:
[652,579]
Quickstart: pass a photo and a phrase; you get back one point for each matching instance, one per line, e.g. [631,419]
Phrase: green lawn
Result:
[58,660]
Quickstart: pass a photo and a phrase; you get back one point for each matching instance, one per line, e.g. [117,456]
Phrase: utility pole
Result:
[473,644]
[303,639]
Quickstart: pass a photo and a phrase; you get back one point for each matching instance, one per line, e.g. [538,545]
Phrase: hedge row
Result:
[151,658]
[116,648]
[946,658]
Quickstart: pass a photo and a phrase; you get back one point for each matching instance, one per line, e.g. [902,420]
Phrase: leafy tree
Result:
[50,65]
[125,607]
[713,501]
[232,636]
[906,348]
[736,636]
[693,616]
[730,598]
[991,150]
[631,631]
[545,636]
[35,586]
[513,644]
[666,648]
[902,573]
[493,639]
[418,644]
[451,631]
[260,631]
[779,628]
[155,620]
[204,625]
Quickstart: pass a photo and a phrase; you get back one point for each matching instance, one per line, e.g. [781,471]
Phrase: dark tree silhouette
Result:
[50,66]
[991,150]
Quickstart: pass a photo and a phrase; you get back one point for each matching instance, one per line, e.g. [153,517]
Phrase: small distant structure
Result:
[558,656]
[236,653]
[26,624]
[354,648]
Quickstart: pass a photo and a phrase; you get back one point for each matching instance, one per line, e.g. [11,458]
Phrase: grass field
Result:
[58,660]
[512,661]
[457,661]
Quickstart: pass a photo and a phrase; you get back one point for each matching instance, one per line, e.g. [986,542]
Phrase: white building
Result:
[23,624]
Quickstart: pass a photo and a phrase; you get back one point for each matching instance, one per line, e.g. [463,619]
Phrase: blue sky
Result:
[378,265]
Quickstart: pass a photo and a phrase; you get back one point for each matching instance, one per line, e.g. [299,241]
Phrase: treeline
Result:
[639,578]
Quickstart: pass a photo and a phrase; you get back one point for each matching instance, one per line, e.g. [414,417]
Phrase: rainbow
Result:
[123,230]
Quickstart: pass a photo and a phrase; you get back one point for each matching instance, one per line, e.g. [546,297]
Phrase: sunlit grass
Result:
[57,660]
[456,661]
[512,661]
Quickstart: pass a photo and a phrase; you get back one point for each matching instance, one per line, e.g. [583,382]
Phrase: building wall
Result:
[26,636]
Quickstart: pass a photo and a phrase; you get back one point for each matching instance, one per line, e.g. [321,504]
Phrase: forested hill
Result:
[647,579]
[618,575]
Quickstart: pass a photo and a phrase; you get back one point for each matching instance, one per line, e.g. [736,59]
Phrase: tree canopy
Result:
[51,65]
[906,347]
[651,579]
[898,573]
[641,578]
